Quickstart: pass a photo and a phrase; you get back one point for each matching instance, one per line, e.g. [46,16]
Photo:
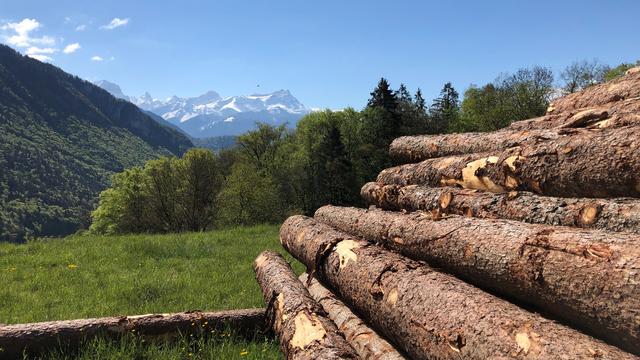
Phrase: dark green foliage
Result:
[445,110]
[167,195]
[60,140]
[215,143]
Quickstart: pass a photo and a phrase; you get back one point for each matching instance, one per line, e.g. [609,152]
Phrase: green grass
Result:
[93,276]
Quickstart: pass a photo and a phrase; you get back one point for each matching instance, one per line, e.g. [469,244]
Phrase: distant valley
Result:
[210,114]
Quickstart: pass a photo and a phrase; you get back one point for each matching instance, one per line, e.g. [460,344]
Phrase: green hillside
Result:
[60,140]
[90,276]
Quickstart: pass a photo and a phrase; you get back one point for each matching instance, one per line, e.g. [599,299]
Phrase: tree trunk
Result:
[362,338]
[37,338]
[297,319]
[431,315]
[408,149]
[621,214]
[624,87]
[588,278]
[594,164]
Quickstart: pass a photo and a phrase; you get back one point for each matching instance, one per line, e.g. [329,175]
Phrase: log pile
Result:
[523,243]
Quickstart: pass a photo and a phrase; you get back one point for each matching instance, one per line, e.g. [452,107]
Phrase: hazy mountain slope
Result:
[60,140]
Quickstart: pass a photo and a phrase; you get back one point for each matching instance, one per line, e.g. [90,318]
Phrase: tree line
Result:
[273,172]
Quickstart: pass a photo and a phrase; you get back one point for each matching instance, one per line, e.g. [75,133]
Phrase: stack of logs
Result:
[523,243]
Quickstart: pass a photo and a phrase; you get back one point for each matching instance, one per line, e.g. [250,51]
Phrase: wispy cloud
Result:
[71,48]
[21,36]
[115,23]
[97,58]
[82,27]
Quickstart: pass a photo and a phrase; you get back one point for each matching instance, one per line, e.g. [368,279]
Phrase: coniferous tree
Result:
[444,110]
[382,96]
[339,180]
[419,101]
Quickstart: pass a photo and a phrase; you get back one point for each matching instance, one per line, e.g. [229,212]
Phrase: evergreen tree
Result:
[403,94]
[339,177]
[444,110]
[419,101]
[382,96]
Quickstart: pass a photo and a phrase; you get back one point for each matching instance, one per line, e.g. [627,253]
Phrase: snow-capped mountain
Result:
[213,115]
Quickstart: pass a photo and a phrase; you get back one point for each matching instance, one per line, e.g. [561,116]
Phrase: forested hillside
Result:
[61,138]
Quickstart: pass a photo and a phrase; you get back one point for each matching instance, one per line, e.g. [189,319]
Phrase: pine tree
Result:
[444,110]
[339,180]
[403,94]
[419,101]
[382,96]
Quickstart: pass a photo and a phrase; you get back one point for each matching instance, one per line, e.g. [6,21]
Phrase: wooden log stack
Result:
[523,243]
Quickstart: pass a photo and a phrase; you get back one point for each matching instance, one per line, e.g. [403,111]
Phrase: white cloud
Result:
[34,50]
[43,58]
[71,48]
[82,27]
[116,22]
[21,36]
[97,58]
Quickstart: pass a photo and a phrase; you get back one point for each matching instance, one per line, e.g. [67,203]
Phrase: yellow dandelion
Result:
[72,266]
[244,352]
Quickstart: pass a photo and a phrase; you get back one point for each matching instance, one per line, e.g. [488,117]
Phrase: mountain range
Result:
[213,115]
[61,139]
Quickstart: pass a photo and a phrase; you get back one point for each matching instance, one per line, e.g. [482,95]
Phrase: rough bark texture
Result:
[588,278]
[621,214]
[367,343]
[298,320]
[431,315]
[550,127]
[594,164]
[624,87]
[36,338]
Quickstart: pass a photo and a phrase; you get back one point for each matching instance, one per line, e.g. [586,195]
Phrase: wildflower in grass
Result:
[72,266]
[243,352]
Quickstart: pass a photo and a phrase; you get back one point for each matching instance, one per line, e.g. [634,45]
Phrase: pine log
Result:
[588,278]
[624,87]
[594,164]
[408,149]
[298,320]
[367,343]
[619,215]
[38,338]
[428,314]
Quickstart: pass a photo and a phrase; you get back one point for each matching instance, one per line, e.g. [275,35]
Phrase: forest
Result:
[274,172]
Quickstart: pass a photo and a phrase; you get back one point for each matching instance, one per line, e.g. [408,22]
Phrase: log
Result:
[367,343]
[408,149]
[588,278]
[595,164]
[624,87]
[299,321]
[619,215]
[37,338]
[428,314]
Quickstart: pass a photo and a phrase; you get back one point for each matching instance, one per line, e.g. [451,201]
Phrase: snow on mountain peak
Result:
[211,114]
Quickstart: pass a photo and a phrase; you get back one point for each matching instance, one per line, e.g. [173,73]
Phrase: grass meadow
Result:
[93,276]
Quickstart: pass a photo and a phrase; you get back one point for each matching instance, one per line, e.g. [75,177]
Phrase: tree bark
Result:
[588,278]
[367,343]
[428,314]
[624,87]
[619,215]
[37,338]
[298,320]
[408,149]
[594,164]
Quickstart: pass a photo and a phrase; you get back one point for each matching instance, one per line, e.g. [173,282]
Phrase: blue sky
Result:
[328,53]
